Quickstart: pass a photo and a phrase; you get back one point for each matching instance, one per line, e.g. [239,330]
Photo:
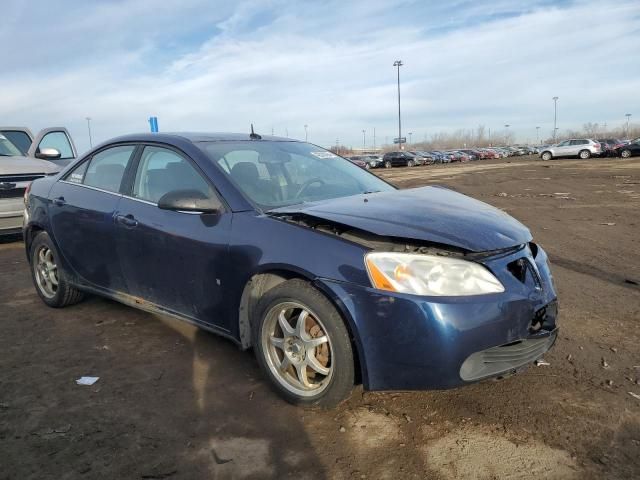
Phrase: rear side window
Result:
[59,141]
[106,169]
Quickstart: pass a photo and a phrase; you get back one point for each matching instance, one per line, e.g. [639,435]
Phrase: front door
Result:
[177,260]
[82,213]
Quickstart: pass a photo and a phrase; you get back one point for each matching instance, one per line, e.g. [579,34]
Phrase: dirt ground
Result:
[177,403]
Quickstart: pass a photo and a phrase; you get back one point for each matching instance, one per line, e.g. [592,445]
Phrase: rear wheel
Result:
[584,154]
[367,166]
[387,164]
[547,156]
[303,345]
[48,277]
[411,163]
[626,153]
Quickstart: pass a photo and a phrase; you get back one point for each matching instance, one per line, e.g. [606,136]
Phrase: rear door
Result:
[82,215]
[54,137]
[177,260]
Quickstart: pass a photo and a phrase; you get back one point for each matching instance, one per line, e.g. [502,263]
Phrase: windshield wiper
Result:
[370,191]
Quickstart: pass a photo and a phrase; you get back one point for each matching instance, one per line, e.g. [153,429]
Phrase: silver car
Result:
[576,147]
[24,158]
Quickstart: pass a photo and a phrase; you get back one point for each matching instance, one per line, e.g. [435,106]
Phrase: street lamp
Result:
[537,134]
[555,118]
[506,133]
[628,115]
[306,133]
[398,63]
[364,143]
[89,128]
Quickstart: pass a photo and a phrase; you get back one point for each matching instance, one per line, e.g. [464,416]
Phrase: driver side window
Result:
[162,171]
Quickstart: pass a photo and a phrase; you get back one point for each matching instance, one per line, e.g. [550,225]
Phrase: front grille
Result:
[13,193]
[20,178]
[505,358]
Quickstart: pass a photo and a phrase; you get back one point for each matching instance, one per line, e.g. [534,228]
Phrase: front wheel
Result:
[48,277]
[546,156]
[303,345]
[411,163]
[584,154]
[387,164]
[625,153]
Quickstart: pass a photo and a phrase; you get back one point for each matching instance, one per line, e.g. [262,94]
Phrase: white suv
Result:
[576,147]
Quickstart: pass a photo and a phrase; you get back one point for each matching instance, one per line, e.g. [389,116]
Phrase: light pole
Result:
[364,142]
[628,115]
[555,118]
[306,133]
[398,63]
[537,134]
[506,133]
[89,128]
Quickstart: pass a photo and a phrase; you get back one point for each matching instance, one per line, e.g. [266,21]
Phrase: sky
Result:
[209,65]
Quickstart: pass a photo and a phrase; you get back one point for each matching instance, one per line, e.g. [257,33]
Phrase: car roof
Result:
[197,137]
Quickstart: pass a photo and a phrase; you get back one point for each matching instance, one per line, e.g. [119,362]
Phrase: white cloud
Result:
[328,65]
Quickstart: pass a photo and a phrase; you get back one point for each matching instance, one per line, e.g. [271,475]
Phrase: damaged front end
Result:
[409,342]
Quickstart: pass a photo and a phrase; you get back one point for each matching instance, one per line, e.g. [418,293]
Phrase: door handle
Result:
[127,220]
[59,201]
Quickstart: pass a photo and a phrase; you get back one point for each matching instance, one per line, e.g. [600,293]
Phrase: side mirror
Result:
[189,201]
[48,154]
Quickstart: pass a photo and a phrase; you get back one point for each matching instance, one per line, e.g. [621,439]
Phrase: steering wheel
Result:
[307,184]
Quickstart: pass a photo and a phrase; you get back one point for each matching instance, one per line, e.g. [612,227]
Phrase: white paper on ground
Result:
[87,380]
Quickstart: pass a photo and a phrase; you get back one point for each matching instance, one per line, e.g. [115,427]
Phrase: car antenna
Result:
[254,135]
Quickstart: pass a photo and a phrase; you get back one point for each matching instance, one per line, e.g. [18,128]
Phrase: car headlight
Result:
[429,275]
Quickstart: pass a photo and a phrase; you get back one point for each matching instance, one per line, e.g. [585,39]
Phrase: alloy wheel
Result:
[625,153]
[297,349]
[46,272]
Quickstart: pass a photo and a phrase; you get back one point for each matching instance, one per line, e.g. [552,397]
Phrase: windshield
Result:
[8,149]
[277,174]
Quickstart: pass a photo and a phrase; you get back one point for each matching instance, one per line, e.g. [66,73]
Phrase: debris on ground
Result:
[502,194]
[609,224]
[342,429]
[634,395]
[604,363]
[614,349]
[541,362]
[87,380]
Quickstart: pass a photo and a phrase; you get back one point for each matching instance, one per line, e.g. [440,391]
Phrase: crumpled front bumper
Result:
[408,342]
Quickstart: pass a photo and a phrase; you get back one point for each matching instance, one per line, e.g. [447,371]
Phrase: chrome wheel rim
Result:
[46,272]
[297,349]
[626,153]
[584,155]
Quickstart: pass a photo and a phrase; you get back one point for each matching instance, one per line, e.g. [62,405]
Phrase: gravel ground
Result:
[174,402]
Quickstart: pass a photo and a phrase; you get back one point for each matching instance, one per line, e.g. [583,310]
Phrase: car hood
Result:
[26,165]
[432,214]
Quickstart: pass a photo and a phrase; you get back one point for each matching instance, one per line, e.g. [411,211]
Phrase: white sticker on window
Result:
[323,154]
[76,177]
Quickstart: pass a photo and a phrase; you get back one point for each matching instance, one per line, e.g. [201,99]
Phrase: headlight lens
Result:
[429,275]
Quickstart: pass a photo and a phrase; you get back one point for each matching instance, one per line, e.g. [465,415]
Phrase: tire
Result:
[387,164]
[546,156]
[584,154]
[626,153]
[48,277]
[367,166]
[411,163]
[330,376]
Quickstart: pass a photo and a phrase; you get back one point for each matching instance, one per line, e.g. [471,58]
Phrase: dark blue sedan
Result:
[330,274]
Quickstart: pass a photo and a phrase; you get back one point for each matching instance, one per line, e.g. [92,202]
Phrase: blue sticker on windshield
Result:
[323,154]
